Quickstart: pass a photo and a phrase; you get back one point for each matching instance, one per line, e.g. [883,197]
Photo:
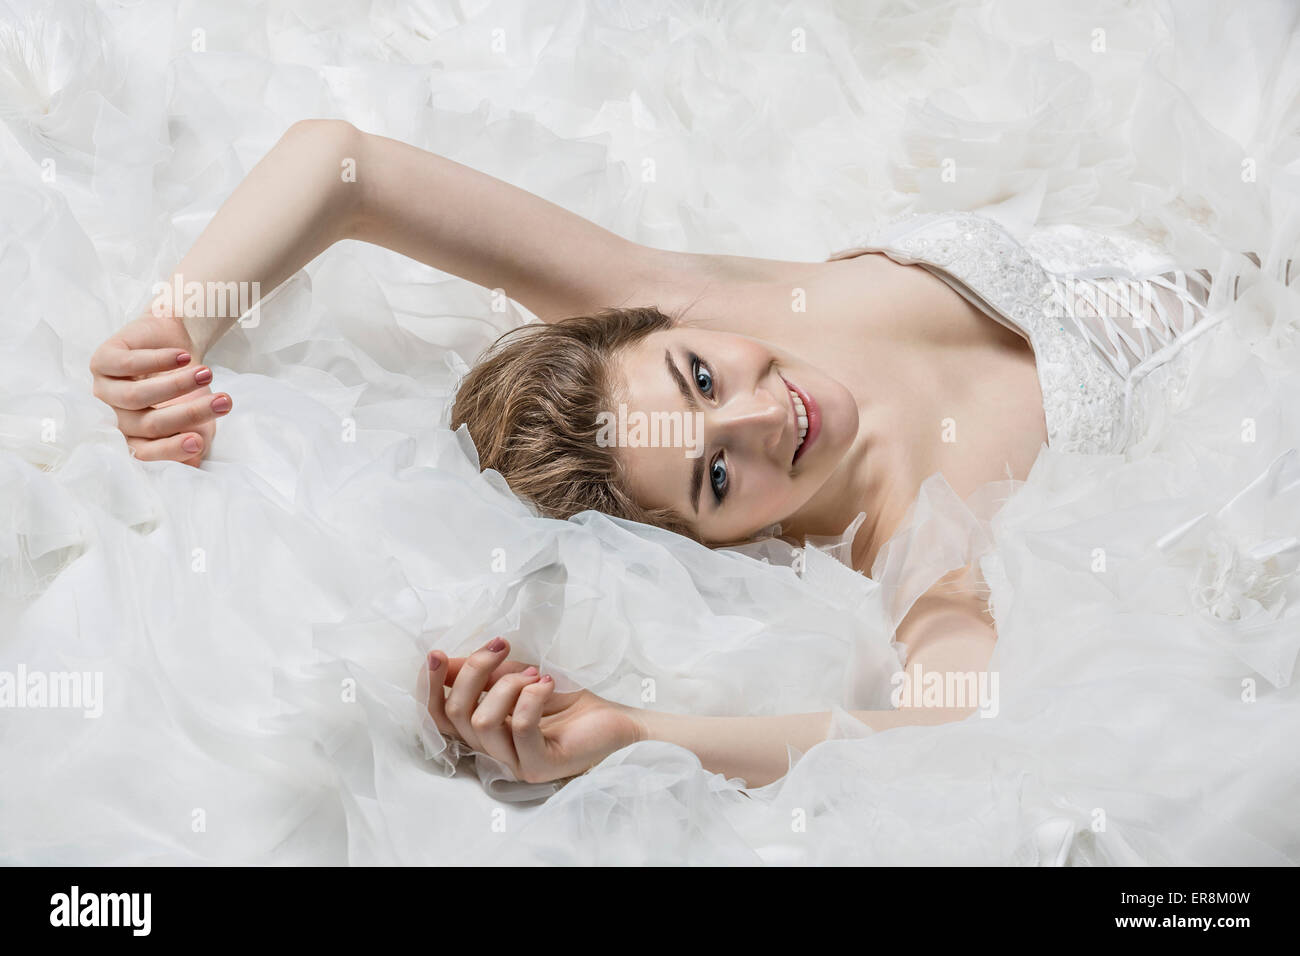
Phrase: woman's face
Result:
[742,460]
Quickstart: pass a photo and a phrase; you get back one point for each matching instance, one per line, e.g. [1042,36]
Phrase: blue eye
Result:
[703,377]
[718,478]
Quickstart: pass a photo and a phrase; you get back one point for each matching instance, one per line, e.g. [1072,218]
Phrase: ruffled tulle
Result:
[259,623]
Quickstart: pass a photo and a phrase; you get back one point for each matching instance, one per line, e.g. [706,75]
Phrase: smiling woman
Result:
[758,467]
[536,402]
[785,441]
[1037,424]
[824,389]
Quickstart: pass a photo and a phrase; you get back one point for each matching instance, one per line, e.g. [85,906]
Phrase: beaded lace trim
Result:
[1097,330]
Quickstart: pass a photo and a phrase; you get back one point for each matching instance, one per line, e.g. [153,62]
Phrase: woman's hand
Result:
[521,721]
[148,372]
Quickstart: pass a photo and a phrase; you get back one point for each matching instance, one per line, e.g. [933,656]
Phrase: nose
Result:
[754,420]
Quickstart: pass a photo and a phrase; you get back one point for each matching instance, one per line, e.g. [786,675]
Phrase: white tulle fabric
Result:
[260,622]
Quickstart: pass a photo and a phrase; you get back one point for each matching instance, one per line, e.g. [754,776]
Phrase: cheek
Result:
[767,490]
[737,357]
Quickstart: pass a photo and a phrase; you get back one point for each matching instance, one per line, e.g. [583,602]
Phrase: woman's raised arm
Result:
[326,180]
[291,206]
[554,262]
[472,225]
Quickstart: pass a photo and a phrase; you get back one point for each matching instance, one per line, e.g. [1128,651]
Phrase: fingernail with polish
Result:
[496,644]
[434,662]
[530,672]
[221,404]
[203,376]
[183,359]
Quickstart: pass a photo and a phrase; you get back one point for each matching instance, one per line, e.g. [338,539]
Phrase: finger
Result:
[435,664]
[186,448]
[554,703]
[469,684]
[146,392]
[505,667]
[490,716]
[119,360]
[526,729]
[172,419]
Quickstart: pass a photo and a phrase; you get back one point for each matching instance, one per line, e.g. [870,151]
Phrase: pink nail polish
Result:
[221,404]
[183,359]
[496,644]
[546,680]
[434,662]
[530,672]
[203,376]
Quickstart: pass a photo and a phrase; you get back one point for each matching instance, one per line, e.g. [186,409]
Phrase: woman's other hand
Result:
[521,720]
[148,372]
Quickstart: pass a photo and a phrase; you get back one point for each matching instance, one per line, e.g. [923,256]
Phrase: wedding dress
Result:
[1110,329]
[1144,596]
[259,622]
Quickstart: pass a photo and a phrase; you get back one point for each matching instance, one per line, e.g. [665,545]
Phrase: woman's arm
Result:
[293,205]
[944,638]
[325,180]
[542,735]
[754,748]
[554,262]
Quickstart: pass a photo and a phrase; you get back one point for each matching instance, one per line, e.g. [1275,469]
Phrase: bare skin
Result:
[891,354]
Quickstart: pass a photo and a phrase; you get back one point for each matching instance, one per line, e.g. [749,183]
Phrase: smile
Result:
[807,418]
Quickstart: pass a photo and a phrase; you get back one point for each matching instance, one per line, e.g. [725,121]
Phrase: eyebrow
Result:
[697,469]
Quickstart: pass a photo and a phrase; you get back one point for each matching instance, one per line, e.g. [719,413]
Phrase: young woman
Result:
[824,389]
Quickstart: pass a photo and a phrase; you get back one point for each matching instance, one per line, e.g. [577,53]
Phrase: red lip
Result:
[814,420]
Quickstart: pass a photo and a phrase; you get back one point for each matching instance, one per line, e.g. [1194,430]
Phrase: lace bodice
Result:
[1109,318]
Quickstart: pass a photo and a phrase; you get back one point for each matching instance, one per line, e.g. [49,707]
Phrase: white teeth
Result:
[801,416]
